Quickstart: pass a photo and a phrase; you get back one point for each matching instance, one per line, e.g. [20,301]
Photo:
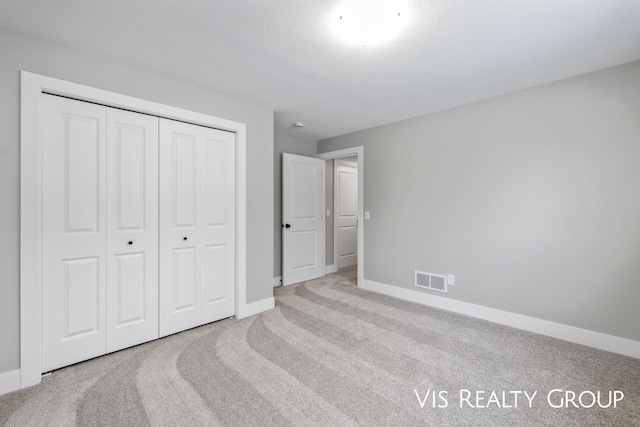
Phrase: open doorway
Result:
[345,210]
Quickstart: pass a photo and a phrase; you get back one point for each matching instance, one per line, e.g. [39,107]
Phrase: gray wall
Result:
[531,199]
[19,52]
[284,142]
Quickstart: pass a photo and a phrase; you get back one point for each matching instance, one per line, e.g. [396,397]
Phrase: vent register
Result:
[434,282]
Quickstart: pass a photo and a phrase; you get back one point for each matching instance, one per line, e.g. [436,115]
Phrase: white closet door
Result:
[219,226]
[179,236]
[130,254]
[132,226]
[197,228]
[73,232]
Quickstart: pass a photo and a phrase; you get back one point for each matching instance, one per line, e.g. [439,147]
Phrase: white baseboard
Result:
[9,381]
[257,307]
[598,340]
[330,269]
[277,281]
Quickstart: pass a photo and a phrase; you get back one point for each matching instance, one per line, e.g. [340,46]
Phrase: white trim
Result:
[348,152]
[345,163]
[598,340]
[257,307]
[241,217]
[277,281]
[9,381]
[328,269]
[32,86]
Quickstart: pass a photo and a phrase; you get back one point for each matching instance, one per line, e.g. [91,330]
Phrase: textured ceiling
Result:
[281,54]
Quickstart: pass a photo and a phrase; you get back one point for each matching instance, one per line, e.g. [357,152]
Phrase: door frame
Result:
[336,230]
[32,88]
[359,153]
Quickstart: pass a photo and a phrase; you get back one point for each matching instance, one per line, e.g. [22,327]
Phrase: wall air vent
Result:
[434,282]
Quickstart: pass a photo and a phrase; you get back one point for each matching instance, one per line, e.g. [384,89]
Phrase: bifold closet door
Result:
[100,192]
[197,225]
[74,232]
[132,229]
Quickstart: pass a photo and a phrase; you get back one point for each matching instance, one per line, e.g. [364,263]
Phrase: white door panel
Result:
[348,184]
[184,283]
[346,219]
[304,175]
[197,212]
[219,174]
[218,213]
[302,218]
[306,255]
[132,223]
[348,239]
[73,232]
[81,297]
[216,289]
[129,291]
[184,185]
[179,239]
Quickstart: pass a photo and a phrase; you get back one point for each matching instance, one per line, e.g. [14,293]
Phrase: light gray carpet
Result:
[333,355]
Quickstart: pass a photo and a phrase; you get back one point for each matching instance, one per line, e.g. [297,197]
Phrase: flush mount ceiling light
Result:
[368,22]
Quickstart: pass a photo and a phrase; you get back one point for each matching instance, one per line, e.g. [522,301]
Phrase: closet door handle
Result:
[184,238]
[131,242]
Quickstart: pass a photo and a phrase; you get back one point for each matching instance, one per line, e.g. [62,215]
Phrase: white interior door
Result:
[132,226]
[74,232]
[197,228]
[302,218]
[346,212]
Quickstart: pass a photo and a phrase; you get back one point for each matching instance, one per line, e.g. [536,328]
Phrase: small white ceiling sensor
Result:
[368,22]
[298,125]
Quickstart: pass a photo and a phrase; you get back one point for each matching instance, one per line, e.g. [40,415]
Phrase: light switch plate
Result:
[328,213]
[367,215]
